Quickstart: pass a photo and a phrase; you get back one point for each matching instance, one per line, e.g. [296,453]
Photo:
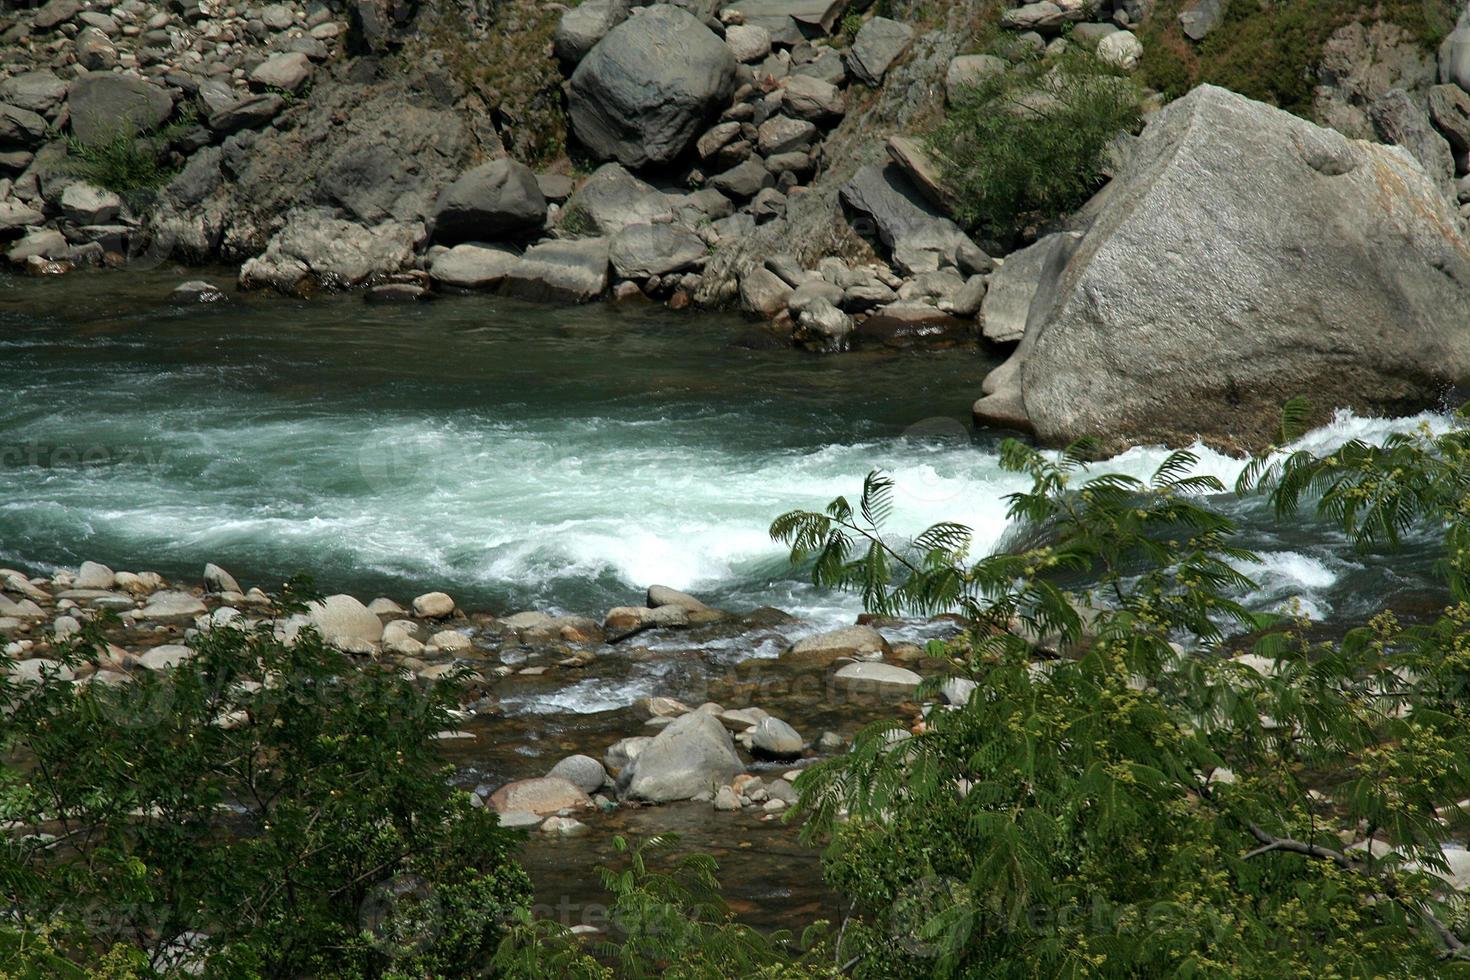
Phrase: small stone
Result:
[433,605]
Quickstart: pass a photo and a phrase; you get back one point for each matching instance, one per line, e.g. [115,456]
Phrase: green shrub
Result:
[285,802]
[1031,144]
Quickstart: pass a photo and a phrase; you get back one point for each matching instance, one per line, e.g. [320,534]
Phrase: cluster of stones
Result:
[185,73]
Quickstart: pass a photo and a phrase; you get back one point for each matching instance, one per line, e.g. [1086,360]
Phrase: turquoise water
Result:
[516,456]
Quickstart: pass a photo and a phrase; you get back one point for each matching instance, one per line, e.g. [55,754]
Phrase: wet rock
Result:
[862,642]
[563,826]
[561,271]
[693,753]
[494,200]
[726,800]
[822,326]
[196,291]
[542,795]
[641,95]
[216,579]
[876,47]
[582,771]
[433,605]
[520,820]
[774,739]
[622,752]
[661,595]
[473,266]
[903,325]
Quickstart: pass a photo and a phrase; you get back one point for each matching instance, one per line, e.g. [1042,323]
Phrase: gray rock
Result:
[315,247]
[55,12]
[775,739]
[970,297]
[473,266]
[764,292]
[1158,329]
[583,25]
[560,271]
[1201,17]
[610,200]
[542,795]
[251,113]
[1090,35]
[1013,286]
[165,657]
[621,753]
[1449,107]
[782,134]
[171,607]
[1454,57]
[662,595]
[922,170]
[969,70]
[878,44]
[104,106]
[821,326]
[494,200]
[582,771]
[1400,121]
[84,204]
[345,623]
[748,42]
[45,243]
[823,648]
[920,238]
[37,91]
[813,99]
[823,14]
[768,203]
[21,128]
[14,214]
[744,179]
[287,71]
[1044,16]
[641,251]
[1121,49]
[884,679]
[216,579]
[716,138]
[196,291]
[645,90]
[93,575]
[690,755]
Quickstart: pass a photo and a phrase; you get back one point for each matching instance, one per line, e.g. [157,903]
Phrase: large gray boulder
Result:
[692,753]
[641,251]
[316,248]
[920,238]
[1243,256]
[644,92]
[104,106]
[560,272]
[1400,120]
[495,200]
[610,200]
[1013,286]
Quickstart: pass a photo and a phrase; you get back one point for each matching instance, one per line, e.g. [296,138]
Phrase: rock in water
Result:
[692,754]
[1241,258]
[542,795]
[645,90]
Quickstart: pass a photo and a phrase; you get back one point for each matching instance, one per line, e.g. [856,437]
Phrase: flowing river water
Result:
[524,457]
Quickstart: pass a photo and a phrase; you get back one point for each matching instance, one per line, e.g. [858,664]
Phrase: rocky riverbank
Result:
[773,695]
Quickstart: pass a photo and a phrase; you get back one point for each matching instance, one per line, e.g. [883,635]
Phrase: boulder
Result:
[583,25]
[473,266]
[494,200]
[1399,120]
[661,595]
[690,755]
[641,251]
[250,113]
[345,623]
[645,91]
[34,91]
[748,42]
[83,204]
[1200,17]
[1121,49]
[21,128]
[104,106]
[744,179]
[922,170]
[285,72]
[560,271]
[316,247]
[55,12]
[612,199]
[1449,107]
[1157,328]
[884,679]
[857,642]
[878,44]
[774,739]
[969,70]
[813,99]
[433,605]
[1013,286]
[45,243]
[621,753]
[94,575]
[582,771]
[920,238]
[14,215]
[216,579]
[764,292]
[542,795]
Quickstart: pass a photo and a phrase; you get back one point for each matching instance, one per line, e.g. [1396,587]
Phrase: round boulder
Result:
[582,771]
[775,739]
[494,200]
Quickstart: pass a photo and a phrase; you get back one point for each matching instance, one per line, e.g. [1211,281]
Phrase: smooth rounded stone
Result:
[624,619]
[401,637]
[346,624]
[641,95]
[783,134]
[473,266]
[641,251]
[450,641]
[494,200]
[285,72]
[35,91]
[382,606]
[196,291]
[748,42]
[693,753]
[171,607]
[773,806]
[858,642]
[36,669]
[9,624]
[822,326]
[1013,286]
[805,97]
[94,575]
[877,45]
[65,627]
[775,739]
[104,105]
[662,595]
[560,271]
[622,752]
[520,820]
[582,771]
[716,138]
[433,605]
[764,292]
[165,657]
[879,676]
[744,180]
[969,70]
[542,795]
[216,579]
[726,800]
[583,25]
[740,719]
[563,826]
[1122,50]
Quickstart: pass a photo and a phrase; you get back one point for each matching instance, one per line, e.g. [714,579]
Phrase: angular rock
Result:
[1154,332]
[645,90]
[560,271]
[251,113]
[104,106]
[84,204]
[21,128]
[473,266]
[812,99]
[692,754]
[583,25]
[920,238]
[1399,120]
[36,91]
[1013,286]
[494,200]
[764,292]
[922,170]
[286,72]
[1449,107]
[744,180]
[878,44]
[641,251]
[821,326]
[316,247]
[1201,17]
[612,199]
[14,214]
[782,134]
